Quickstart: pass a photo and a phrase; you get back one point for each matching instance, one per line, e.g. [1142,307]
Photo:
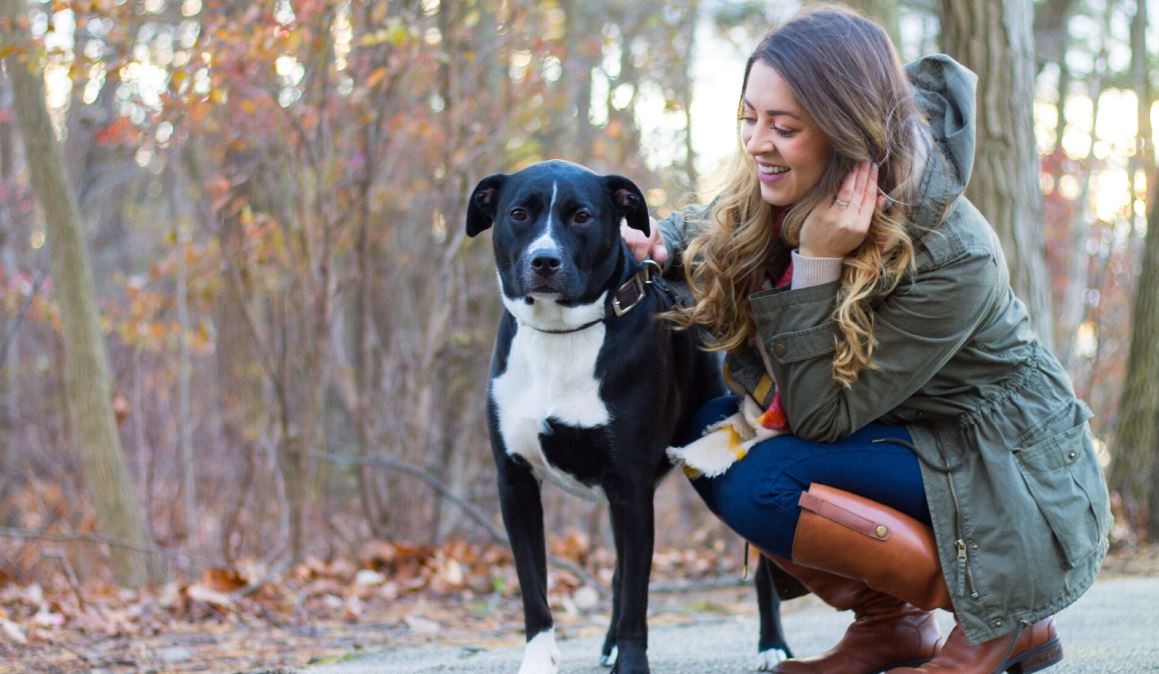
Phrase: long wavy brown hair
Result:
[844,72]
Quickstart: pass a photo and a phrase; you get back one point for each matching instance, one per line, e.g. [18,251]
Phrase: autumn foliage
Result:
[299,329]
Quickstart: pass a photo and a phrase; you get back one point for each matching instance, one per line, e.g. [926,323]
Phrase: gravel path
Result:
[1113,628]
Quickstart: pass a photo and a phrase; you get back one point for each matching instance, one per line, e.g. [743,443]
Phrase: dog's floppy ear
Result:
[630,202]
[481,209]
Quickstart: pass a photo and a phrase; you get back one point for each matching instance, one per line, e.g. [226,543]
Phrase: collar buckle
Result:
[632,293]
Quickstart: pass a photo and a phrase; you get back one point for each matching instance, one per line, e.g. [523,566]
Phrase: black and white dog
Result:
[587,388]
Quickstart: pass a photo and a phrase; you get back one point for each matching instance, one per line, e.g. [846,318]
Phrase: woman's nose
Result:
[759,142]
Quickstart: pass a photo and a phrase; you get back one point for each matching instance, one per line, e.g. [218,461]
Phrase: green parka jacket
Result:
[1016,494]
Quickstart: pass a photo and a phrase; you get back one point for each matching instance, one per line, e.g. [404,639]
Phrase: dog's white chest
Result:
[550,376]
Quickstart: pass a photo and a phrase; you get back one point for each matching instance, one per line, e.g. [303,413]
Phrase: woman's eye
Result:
[582,218]
[518,214]
[783,132]
[747,120]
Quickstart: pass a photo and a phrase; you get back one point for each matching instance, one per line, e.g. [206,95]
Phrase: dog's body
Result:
[587,387]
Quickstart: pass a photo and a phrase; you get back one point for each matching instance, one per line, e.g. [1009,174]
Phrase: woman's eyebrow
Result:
[773,113]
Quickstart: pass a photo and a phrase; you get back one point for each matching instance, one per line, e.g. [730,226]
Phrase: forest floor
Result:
[395,597]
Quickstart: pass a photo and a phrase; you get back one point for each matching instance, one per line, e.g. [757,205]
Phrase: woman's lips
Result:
[769,174]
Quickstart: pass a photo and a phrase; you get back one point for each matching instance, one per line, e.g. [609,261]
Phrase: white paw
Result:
[610,659]
[766,660]
[541,655]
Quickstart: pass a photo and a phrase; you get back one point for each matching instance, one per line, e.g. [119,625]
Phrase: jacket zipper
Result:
[964,573]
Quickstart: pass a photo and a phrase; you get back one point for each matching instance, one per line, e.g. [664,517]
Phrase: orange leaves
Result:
[376,77]
[119,130]
[216,587]
[411,593]
[223,580]
[146,315]
[574,545]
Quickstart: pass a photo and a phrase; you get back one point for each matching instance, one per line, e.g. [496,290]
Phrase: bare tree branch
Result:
[467,507]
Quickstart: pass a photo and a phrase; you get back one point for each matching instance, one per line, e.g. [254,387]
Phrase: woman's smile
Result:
[770,173]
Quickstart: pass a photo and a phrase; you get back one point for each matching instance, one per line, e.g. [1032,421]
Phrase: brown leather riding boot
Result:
[851,536]
[1035,647]
[886,632]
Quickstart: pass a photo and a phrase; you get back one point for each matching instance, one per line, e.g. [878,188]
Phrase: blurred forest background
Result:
[288,332]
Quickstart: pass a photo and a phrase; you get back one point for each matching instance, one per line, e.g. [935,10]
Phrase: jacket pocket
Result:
[792,347]
[1065,480]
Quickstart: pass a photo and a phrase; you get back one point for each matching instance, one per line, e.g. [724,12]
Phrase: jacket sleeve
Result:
[919,327]
[677,230]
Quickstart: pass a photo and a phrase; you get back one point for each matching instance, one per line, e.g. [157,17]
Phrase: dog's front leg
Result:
[608,652]
[522,509]
[634,528]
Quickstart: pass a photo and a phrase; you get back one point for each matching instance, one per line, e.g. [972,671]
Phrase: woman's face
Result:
[790,150]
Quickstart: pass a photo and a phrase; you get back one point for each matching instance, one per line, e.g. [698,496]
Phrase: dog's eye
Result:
[582,217]
[518,214]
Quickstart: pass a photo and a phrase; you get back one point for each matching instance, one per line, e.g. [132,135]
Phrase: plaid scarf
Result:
[761,415]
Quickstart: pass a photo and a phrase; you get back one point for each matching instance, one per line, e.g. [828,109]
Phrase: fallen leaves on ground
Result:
[394,594]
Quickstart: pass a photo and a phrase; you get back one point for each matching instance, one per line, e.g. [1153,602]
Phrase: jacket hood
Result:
[944,91]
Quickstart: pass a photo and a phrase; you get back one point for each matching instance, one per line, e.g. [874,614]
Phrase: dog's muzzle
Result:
[543,273]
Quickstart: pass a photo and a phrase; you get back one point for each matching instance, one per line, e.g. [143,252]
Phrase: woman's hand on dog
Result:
[645,246]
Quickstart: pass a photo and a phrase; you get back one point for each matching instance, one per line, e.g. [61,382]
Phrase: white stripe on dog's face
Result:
[541,655]
[546,241]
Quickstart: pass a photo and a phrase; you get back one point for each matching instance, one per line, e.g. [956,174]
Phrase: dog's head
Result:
[557,229]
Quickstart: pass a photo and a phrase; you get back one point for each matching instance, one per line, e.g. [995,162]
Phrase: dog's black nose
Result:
[546,263]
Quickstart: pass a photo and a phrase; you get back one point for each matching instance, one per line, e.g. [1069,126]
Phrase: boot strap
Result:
[848,519]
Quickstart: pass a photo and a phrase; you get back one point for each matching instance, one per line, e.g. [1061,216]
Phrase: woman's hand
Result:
[642,246]
[838,228]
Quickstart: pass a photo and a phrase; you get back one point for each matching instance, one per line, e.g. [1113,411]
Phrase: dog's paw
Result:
[609,660]
[768,659]
[541,655]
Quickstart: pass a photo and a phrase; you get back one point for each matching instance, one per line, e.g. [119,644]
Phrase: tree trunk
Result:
[1051,37]
[582,56]
[181,224]
[1134,467]
[1073,306]
[995,40]
[238,369]
[691,19]
[1136,440]
[87,373]
[9,328]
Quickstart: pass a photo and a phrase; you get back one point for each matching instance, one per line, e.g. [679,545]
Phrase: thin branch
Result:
[431,481]
[78,537]
[255,585]
[11,335]
[443,490]
[234,277]
[69,573]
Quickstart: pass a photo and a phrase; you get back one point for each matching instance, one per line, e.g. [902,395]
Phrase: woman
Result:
[920,448]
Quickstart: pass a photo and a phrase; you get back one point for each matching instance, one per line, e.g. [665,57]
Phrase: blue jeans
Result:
[757,496]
